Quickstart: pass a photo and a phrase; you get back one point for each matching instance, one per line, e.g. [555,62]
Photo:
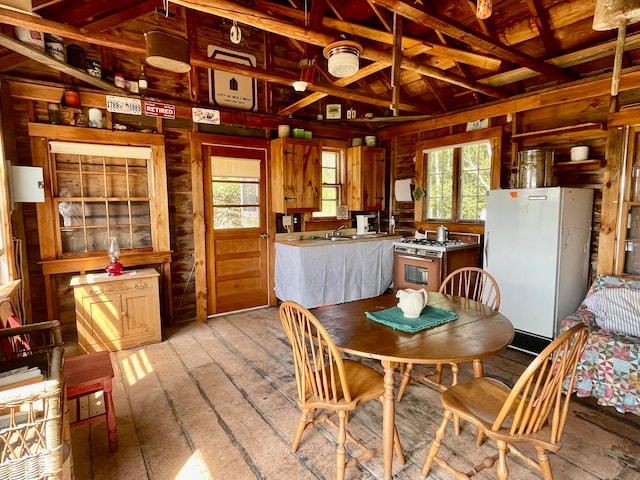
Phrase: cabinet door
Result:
[296,175]
[373,179]
[101,323]
[365,178]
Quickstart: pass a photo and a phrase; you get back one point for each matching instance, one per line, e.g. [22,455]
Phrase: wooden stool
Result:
[87,374]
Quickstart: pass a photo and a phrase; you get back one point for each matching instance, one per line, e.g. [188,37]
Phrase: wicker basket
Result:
[31,444]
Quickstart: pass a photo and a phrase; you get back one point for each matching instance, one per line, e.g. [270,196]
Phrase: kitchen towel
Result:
[403,190]
[430,317]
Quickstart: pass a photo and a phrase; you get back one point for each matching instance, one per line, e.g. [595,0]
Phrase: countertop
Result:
[316,239]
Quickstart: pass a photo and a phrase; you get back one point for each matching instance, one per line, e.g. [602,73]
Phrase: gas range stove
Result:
[428,247]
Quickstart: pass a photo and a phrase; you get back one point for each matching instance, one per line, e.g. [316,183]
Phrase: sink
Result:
[339,238]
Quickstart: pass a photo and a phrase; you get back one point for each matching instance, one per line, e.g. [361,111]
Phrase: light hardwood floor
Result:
[216,400]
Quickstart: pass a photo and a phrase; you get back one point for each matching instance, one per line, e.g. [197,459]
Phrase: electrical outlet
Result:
[286,220]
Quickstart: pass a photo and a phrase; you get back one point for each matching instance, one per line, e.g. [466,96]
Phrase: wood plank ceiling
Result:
[419,57]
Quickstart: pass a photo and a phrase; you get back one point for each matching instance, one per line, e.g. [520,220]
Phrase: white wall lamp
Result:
[343,58]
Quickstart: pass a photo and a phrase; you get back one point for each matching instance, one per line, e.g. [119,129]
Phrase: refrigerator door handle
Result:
[486,250]
[537,197]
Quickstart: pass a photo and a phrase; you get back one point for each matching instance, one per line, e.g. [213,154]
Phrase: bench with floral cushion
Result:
[609,368]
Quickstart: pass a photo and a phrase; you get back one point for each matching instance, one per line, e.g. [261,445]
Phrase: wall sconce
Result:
[343,58]
[299,86]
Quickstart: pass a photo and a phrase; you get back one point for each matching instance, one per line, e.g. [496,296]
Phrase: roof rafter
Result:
[472,38]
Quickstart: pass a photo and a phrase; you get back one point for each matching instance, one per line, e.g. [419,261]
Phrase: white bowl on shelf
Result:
[579,152]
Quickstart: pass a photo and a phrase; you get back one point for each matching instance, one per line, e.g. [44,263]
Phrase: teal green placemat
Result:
[430,317]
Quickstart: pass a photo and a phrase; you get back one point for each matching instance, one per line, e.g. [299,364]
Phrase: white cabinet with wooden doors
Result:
[365,178]
[117,312]
[296,175]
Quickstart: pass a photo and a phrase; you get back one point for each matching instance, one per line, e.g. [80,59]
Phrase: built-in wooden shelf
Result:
[561,137]
[39,56]
[579,165]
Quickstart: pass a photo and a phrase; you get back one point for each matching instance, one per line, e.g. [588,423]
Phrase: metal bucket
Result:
[535,168]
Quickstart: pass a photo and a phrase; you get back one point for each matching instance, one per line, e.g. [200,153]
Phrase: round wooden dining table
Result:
[479,331]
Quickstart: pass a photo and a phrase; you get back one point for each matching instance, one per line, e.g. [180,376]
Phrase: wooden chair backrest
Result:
[538,392]
[320,374]
[473,283]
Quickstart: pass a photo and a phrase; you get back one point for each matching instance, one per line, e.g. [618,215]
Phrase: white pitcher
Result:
[412,302]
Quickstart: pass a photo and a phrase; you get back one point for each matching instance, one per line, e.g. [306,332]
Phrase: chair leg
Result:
[406,378]
[502,469]
[111,416]
[543,461]
[435,444]
[302,424]
[341,453]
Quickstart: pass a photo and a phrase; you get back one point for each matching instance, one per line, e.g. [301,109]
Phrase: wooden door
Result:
[373,169]
[236,227]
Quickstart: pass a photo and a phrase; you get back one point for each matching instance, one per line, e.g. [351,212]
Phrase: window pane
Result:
[440,184]
[236,192]
[331,185]
[236,217]
[475,180]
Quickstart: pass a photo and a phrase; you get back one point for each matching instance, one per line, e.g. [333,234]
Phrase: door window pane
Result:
[236,192]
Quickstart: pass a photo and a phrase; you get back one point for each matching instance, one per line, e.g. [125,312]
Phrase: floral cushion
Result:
[609,368]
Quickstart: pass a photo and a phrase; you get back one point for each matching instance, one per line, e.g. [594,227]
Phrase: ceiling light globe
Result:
[299,86]
[343,58]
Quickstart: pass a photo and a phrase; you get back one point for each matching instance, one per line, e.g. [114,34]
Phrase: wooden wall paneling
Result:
[199,227]
[181,218]
[616,141]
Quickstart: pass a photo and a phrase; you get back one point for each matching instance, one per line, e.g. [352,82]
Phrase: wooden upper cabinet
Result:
[296,175]
[365,178]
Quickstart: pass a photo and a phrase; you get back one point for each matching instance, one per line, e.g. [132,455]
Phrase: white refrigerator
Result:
[536,246]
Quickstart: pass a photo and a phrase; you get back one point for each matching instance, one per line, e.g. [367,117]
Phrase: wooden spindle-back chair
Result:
[533,412]
[325,381]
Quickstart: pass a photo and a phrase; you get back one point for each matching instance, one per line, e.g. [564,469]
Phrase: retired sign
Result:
[158,109]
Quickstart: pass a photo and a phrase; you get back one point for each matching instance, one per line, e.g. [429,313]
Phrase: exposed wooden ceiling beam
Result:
[539,18]
[470,58]
[474,39]
[264,21]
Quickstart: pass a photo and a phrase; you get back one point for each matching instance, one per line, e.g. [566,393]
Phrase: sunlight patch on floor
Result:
[194,469]
[136,367]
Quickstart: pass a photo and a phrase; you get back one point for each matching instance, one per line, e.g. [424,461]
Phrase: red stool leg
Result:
[111,416]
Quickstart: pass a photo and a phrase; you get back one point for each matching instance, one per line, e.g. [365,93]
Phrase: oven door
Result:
[413,271]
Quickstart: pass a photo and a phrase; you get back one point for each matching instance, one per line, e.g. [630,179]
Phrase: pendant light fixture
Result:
[343,58]
[484,9]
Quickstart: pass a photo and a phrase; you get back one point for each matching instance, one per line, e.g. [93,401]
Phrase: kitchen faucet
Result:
[334,233]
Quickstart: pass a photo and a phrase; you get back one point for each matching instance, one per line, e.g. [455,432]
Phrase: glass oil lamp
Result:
[115,267]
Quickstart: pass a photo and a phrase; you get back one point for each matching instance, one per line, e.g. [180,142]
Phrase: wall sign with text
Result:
[228,89]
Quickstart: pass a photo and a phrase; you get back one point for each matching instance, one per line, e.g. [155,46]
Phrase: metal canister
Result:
[535,168]
[442,234]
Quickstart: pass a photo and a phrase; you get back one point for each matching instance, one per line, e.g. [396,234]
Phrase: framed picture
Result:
[334,111]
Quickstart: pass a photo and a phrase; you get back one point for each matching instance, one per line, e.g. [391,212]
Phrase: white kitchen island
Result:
[316,273]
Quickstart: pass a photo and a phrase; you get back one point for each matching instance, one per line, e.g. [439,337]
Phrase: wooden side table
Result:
[87,374]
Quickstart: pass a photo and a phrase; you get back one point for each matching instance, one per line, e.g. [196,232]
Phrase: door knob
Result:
[264,235]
